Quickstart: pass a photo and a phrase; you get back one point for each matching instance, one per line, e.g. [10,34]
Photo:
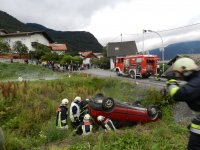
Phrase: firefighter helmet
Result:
[86,117]
[100,118]
[65,101]
[184,64]
[77,99]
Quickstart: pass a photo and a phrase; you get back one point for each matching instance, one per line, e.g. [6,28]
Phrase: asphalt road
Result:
[150,82]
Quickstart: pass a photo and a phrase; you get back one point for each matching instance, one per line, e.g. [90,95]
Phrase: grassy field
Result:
[27,116]
[27,71]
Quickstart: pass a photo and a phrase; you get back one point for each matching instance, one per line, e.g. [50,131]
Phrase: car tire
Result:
[154,113]
[108,103]
[117,72]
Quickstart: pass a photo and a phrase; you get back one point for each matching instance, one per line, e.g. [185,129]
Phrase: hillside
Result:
[172,50]
[11,24]
[75,40]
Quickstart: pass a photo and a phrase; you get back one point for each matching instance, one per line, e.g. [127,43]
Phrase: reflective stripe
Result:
[195,126]
[173,89]
[107,127]
[195,131]
[59,120]
[84,130]
[171,81]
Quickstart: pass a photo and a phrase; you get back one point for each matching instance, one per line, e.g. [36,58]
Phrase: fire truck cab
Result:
[137,65]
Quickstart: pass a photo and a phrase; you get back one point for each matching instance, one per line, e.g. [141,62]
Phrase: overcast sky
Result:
[114,20]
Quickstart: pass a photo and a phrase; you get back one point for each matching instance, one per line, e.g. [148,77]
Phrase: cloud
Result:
[59,14]
[108,19]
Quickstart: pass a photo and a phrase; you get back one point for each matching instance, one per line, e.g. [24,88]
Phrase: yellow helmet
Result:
[184,64]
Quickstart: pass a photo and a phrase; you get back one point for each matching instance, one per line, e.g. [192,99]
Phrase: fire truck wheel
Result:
[117,72]
[108,103]
[132,74]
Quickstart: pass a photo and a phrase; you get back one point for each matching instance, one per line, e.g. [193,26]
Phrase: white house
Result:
[2,32]
[30,39]
[87,56]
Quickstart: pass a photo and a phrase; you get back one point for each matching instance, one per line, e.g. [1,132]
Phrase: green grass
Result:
[27,71]
[28,109]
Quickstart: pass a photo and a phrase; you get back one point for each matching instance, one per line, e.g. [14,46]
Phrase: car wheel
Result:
[108,103]
[153,112]
[117,72]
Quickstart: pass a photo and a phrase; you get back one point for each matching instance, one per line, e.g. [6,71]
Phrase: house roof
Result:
[115,49]
[2,30]
[27,34]
[58,47]
[87,54]
[195,57]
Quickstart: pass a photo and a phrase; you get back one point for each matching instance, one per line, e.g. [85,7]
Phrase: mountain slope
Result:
[11,24]
[76,40]
[172,50]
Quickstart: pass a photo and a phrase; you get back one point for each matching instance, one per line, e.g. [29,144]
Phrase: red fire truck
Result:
[137,65]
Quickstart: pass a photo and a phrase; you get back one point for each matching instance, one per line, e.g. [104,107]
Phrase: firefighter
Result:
[189,93]
[61,115]
[83,108]
[75,112]
[106,123]
[85,128]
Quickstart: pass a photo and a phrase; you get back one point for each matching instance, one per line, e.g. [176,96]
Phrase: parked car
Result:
[122,114]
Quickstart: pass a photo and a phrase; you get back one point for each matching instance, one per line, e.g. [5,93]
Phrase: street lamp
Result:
[162,46]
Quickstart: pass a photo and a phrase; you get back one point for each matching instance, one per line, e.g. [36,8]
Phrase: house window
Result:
[116,48]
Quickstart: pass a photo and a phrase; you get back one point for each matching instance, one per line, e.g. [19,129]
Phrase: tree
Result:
[50,57]
[103,63]
[66,59]
[20,48]
[40,50]
[4,46]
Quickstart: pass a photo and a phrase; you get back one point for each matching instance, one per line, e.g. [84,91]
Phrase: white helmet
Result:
[100,118]
[65,101]
[86,117]
[87,99]
[184,64]
[77,99]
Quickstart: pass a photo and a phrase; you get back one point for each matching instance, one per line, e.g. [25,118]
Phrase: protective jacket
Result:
[190,92]
[85,128]
[74,112]
[61,117]
[108,124]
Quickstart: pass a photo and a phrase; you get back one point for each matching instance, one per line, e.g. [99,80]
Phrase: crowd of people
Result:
[80,119]
[63,67]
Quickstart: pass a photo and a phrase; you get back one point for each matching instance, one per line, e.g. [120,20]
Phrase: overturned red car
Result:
[122,114]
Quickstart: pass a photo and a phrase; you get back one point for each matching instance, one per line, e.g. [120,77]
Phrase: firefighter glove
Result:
[172,86]
[76,118]
[171,82]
